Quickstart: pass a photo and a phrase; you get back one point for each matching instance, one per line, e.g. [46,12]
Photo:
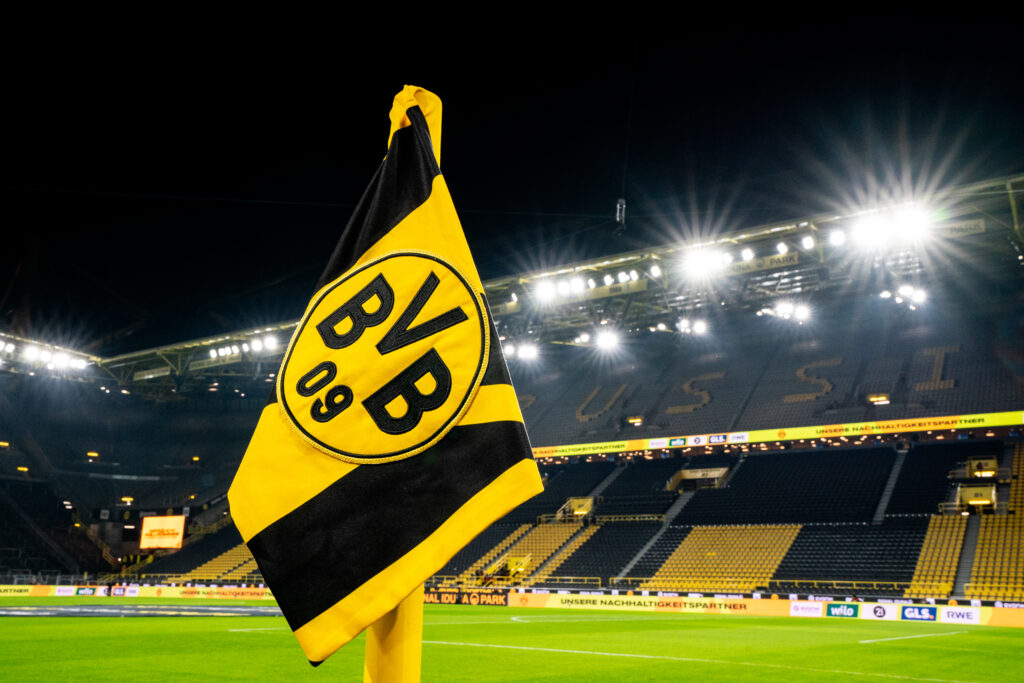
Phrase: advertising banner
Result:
[220,593]
[64,591]
[921,424]
[640,603]
[960,615]
[801,608]
[466,596]
[10,590]
[162,532]
[883,612]
[842,609]
[919,613]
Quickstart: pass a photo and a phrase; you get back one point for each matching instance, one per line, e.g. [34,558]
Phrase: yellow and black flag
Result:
[393,436]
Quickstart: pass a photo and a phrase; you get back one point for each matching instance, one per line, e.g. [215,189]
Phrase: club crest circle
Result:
[386,360]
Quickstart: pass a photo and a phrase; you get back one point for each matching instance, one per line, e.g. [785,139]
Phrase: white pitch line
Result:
[922,635]
[695,659]
[537,620]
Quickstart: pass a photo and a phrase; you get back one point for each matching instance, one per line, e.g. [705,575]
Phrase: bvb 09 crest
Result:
[386,359]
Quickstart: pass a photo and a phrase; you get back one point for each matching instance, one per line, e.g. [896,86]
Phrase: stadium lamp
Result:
[700,327]
[607,340]
[747,254]
[31,352]
[591,283]
[576,285]
[623,277]
[585,337]
[527,351]
[545,291]
[782,248]
[257,345]
[509,349]
[270,342]
[837,238]
[703,263]
[563,287]
[608,280]
[807,242]
[655,270]
[802,312]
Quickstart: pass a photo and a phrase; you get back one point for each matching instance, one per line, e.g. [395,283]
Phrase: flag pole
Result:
[394,643]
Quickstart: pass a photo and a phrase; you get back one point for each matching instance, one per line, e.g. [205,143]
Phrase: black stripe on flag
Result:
[368,519]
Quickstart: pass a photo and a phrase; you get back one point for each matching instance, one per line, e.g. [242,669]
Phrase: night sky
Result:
[167,188]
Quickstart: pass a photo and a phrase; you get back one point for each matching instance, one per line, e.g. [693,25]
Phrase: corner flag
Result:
[393,435]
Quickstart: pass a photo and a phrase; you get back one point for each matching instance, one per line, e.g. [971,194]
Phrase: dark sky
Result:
[164,188]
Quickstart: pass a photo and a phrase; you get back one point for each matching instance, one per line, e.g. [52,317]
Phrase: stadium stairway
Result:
[670,514]
[890,485]
[967,553]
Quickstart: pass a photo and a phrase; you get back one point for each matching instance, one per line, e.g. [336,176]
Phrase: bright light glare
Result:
[257,345]
[661,327]
[919,296]
[9,348]
[527,351]
[634,276]
[45,355]
[802,312]
[727,258]
[747,254]
[886,294]
[700,327]
[655,271]
[61,360]
[872,231]
[623,277]
[607,340]
[270,342]
[785,309]
[683,324]
[78,363]
[782,247]
[545,291]
[912,224]
[608,280]
[509,349]
[837,238]
[213,353]
[807,242]
[704,263]
[31,352]
[905,290]
[576,284]
[563,287]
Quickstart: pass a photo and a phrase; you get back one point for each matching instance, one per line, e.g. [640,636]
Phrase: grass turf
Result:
[510,644]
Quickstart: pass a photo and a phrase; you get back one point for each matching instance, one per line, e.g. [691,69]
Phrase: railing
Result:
[994,591]
[839,586]
[629,582]
[574,581]
[601,519]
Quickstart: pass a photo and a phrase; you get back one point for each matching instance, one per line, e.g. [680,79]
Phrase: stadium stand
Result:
[923,482]
[605,554]
[824,555]
[796,487]
[998,570]
[936,566]
[724,558]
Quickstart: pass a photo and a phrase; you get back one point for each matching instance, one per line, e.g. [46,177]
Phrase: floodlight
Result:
[514,298]
[885,294]
[585,337]
[837,238]
[563,287]
[257,345]
[270,342]
[213,353]
[608,280]
[61,360]
[607,340]
[633,275]
[31,352]
[661,327]
[700,327]
[912,223]
[245,347]
[807,242]
[905,290]
[782,247]
[9,348]
[220,352]
[747,254]
[590,283]
[727,258]
[527,351]
[78,363]
[872,231]
[576,284]
[919,296]
[545,291]
[703,263]
[802,312]
[623,277]
[785,309]
[45,355]
[509,349]
[655,270]
[683,325]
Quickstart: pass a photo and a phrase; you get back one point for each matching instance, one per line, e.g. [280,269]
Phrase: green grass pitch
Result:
[511,644]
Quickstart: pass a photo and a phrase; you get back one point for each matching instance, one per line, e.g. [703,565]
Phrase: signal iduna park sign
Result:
[1010,418]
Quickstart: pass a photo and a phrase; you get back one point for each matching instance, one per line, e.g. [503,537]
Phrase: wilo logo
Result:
[919,613]
[842,610]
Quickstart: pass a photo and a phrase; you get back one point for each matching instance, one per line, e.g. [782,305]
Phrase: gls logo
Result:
[386,359]
[919,613]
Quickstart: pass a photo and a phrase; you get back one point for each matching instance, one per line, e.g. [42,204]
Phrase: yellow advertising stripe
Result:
[346,618]
[281,472]
[493,403]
